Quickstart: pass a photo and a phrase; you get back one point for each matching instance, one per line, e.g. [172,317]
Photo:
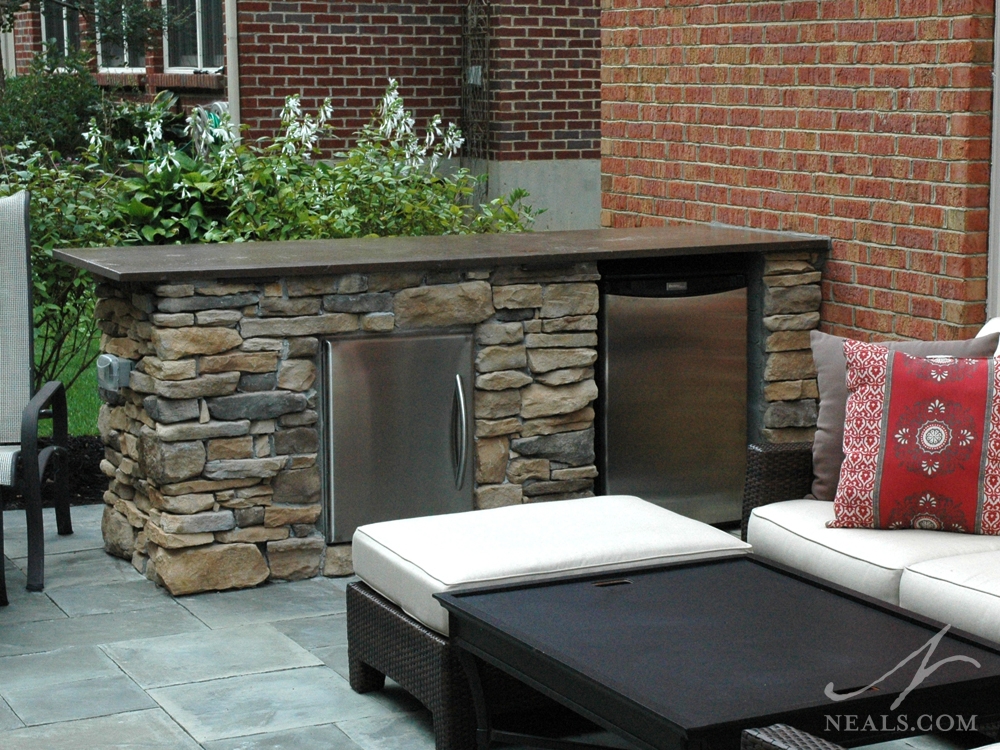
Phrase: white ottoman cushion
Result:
[871,561]
[963,590]
[409,560]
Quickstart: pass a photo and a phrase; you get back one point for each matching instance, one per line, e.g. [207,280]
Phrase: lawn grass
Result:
[82,401]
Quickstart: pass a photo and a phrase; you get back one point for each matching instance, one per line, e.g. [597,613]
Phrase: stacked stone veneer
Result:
[212,449]
[791,297]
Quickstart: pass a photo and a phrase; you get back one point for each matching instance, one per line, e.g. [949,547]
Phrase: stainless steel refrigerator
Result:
[673,361]
[397,428]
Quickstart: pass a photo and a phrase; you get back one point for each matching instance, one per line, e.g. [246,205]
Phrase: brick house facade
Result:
[542,74]
[865,120]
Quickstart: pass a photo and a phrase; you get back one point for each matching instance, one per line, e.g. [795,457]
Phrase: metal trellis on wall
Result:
[475,79]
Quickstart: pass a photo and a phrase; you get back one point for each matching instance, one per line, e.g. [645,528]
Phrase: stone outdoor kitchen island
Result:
[212,449]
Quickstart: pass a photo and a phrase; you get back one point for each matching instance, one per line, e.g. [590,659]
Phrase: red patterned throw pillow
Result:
[921,443]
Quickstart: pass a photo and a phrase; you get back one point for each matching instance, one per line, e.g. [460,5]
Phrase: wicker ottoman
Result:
[395,628]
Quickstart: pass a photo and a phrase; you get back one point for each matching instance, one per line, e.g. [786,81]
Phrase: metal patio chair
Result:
[24,457]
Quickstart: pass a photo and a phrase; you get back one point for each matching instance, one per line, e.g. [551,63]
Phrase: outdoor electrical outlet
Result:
[113,372]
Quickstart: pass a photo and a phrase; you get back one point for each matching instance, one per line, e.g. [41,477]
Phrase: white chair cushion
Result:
[407,561]
[963,590]
[990,326]
[870,561]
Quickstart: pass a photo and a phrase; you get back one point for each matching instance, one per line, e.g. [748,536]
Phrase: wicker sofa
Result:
[954,578]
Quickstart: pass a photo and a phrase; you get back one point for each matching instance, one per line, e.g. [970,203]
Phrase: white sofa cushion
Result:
[871,561]
[408,560]
[963,590]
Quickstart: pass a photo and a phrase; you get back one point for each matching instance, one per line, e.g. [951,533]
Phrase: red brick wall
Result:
[545,62]
[348,52]
[864,120]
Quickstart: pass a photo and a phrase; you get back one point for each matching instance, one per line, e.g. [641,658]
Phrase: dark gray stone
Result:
[792,299]
[265,405]
[298,487]
[188,304]
[167,410]
[791,413]
[166,463]
[535,488]
[254,382]
[572,448]
[249,516]
[510,316]
[278,306]
[358,303]
[297,440]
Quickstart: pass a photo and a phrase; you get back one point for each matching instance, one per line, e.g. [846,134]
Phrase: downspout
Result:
[233,63]
[993,254]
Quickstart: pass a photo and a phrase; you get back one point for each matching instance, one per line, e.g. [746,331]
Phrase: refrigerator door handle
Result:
[461,433]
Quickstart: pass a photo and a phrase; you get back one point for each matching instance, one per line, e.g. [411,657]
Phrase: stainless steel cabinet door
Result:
[675,401]
[398,428]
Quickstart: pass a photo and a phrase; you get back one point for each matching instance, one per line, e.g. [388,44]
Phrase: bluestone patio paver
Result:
[126,596]
[268,702]
[326,737]
[87,566]
[8,719]
[316,632]
[150,730]
[392,733]
[86,532]
[267,603]
[84,699]
[25,606]
[69,664]
[228,652]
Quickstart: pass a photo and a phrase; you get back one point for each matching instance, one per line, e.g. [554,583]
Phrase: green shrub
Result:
[51,105]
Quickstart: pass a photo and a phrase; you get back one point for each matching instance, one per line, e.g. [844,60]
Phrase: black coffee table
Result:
[689,655]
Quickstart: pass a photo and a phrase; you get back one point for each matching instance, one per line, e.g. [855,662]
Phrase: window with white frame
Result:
[194,41]
[115,50]
[60,27]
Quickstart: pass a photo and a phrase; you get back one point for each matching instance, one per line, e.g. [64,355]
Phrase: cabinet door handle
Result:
[462,432]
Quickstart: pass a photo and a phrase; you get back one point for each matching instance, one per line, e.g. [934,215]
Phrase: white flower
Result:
[903,436]
[930,467]
[936,407]
[965,437]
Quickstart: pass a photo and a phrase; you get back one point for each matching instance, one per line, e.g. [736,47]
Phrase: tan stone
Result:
[223,288]
[517,296]
[293,307]
[393,280]
[176,370]
[240,468]
[495,427]
[774,266]
[492,358]
[801,322]
[497,495]
[561,300]
[174,290]
[492,333]
[572,422]
[443,305]
[118,533]
[577,472]
[205,485]
[197,523]
[378,322]
[240,362]
[121,347]
[570,323]
[491,459]
[283,515]
[251,535]
[202,430]
[238,447]
[339,561]
[297,487]
[793,279]
[205,386]
[560,340]
[226,318]
[562,377]
[502,380]
[172,320]
[789,366]
[262,345]
[784,341]
[181,504]
[310,325]
[542,400]
[165,463]
[131,512]
[159,537]
[213,568]
[521,469]
[311,286]
[295,559]
[140,382]
[296,375]
[496,404]
[544,360]
[174,343]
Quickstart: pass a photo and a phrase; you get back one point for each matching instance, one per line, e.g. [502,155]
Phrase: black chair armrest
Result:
[783,737]
[48,403]
[775,472]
